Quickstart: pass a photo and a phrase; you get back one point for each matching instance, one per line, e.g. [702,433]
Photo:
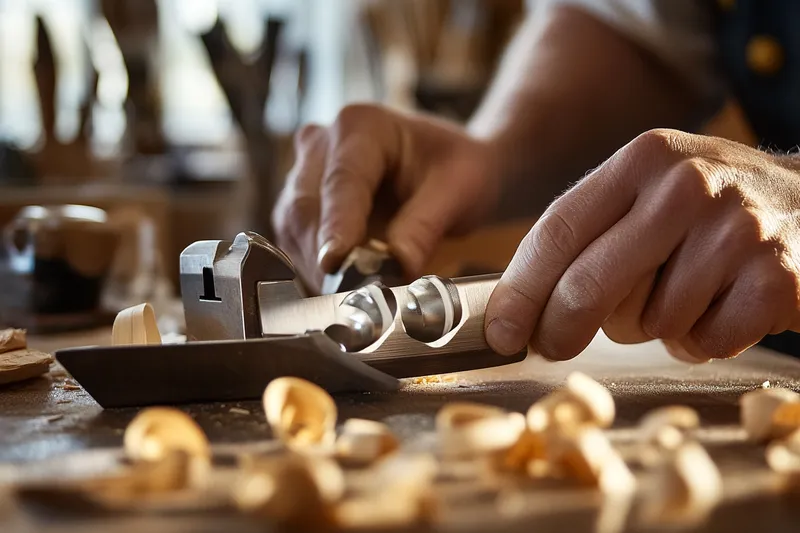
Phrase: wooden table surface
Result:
[47,431]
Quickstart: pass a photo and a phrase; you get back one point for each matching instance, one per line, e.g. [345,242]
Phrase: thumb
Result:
[422,223]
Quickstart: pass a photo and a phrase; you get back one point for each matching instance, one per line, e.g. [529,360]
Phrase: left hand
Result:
[691,239]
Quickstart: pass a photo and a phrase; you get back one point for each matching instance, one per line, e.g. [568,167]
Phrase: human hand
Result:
[690,239]
[442,177]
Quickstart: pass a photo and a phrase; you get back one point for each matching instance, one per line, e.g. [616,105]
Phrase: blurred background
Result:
[176,117]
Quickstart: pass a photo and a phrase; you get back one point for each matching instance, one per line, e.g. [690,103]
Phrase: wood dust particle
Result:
[427,380]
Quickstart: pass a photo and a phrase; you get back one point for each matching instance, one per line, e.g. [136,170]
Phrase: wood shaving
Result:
[22,364]
[135,325]
[365,441]
[427,380]
[688,487]
[400,494]
[785,420]
[468,429]
[665,429]
[293,491]
[784,455]
[757,409]
[301,414]
[157,433]
[12,339]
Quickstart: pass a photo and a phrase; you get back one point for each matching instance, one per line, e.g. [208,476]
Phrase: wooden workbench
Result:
[51,432]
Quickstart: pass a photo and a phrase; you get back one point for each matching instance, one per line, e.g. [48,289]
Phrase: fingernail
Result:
[326,253]
[505,337]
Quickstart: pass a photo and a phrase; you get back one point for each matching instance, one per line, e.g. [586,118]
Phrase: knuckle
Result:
[580,290]
[655,141]
[767,290]
[423,232]
[292,215]
[354,116]
[713,344]
[307,134]
[656,326]
[689,179]
[739,231]
[553,236]
[342,181]
[662,325]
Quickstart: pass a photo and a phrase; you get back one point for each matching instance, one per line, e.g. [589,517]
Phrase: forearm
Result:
[570,92]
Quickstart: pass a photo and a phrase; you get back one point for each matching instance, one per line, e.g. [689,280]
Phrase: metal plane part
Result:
[247,322]
[129,376]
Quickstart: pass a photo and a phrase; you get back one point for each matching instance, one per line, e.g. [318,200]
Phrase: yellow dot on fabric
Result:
[764,55]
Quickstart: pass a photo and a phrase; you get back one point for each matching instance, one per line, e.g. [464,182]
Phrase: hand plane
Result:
[248,321]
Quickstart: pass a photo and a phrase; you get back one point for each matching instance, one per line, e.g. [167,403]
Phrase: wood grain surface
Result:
[49,430]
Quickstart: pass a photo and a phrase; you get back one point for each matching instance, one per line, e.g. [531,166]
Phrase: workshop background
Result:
[177,116]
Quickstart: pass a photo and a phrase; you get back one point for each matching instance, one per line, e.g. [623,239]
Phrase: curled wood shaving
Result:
[580,401]
[664,430]
[687,488]
[301,414]
[401,494]
[468,429]
[12,339]
[785,420]
[294,490]
[135,325]
[783,455]
[595,399]
[22,364]
[563,439]
[364,441]
[159,433]
[757,409]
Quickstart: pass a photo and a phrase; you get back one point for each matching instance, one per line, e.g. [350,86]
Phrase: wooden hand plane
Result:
[248,321]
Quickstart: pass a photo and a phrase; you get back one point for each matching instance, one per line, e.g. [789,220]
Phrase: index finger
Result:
[363,148]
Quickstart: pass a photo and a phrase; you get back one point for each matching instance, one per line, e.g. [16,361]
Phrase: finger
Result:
[296,213]
[754,306]
[697,273]
[678,350]
[364,146]
[569,225]
[607,271]
[423,221]
[566,229]
[624,325]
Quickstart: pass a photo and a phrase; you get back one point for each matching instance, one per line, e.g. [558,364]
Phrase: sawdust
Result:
[428,380]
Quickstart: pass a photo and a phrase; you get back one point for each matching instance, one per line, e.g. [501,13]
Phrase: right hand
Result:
[444,179]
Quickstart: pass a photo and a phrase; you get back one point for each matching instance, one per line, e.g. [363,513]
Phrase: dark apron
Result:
[759,47]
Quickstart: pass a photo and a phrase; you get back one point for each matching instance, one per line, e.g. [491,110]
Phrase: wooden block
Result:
[19,365]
